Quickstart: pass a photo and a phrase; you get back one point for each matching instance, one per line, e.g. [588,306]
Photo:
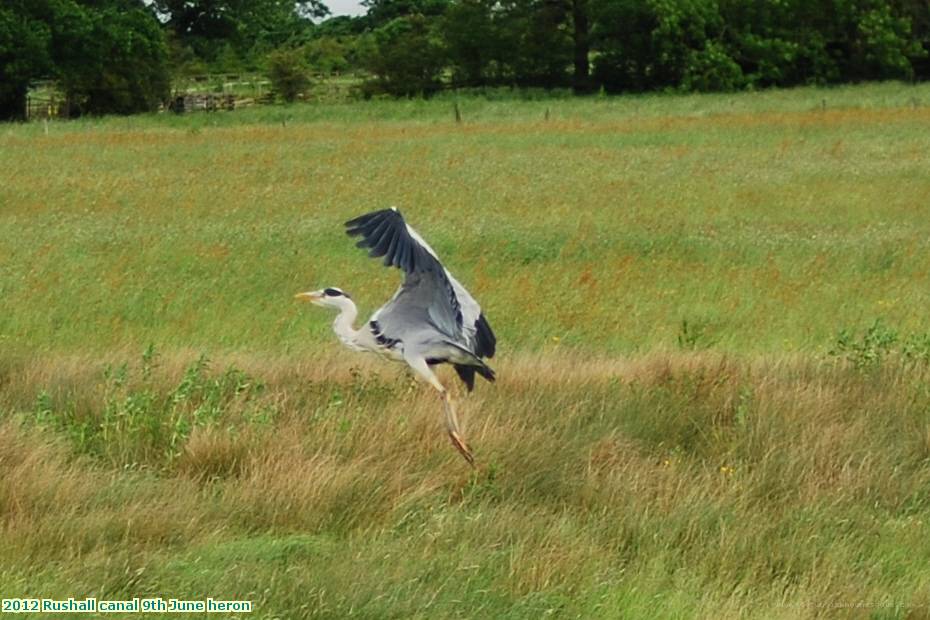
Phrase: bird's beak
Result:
[311,297]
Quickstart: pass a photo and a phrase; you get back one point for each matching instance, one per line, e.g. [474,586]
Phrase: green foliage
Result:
[883,47]
[24,56]
[139,424]
[868,349]
[520,42]
[112,61]
[877,343]
[695,334]
[661,44]
[382,12]
[538,33]
[230,34]
[329,54]
[405,56]
[621,33]
[112,58]
[473,42]
[711,69]
[706,45]
[288,72]
[109,58]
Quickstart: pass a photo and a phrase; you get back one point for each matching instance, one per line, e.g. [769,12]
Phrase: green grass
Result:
[769,227]
[712,367]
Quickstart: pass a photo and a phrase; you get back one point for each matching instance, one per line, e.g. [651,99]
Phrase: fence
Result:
[205,92]
[39,107]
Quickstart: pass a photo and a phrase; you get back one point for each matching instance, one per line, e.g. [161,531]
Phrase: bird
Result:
[431,318]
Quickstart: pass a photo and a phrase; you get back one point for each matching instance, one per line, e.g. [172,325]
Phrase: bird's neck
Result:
[343,324]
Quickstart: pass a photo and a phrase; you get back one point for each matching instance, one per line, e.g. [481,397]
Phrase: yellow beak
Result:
[306,296]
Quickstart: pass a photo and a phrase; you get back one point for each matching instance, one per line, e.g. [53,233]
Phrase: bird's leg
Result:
[452,425]
[421,368]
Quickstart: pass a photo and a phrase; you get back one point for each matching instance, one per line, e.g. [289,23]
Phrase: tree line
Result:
[120,55]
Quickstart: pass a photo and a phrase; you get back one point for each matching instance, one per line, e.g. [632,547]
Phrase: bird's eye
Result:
[331,292]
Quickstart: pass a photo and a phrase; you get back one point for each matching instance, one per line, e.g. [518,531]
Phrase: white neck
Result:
[343,324]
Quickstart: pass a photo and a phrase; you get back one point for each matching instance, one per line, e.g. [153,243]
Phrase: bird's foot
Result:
[462,447]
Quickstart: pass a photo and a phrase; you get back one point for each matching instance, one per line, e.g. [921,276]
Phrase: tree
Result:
[660,44]
[821,41]
[381,12]
[537,40]
[622,34]
[340,26]
[473,41]
[518,42]
[288,72]
[208,27]
[108,55]
[917,13]
[111,60]
[582,46]
[405,56]
[328,54]
[880,43]
[24,57]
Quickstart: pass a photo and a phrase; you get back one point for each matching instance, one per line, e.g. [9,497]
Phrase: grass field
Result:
[713,362]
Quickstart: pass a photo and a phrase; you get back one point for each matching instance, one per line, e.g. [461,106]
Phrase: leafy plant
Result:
[137,424]
[288,72]
[693,335]
[406,57]
[868,349]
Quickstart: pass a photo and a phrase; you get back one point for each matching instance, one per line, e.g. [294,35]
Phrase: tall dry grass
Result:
[691,483]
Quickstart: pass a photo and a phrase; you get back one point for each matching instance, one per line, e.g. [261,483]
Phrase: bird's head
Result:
[328,297]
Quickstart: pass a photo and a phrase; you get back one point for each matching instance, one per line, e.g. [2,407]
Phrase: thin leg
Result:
[420,367]
[452,425]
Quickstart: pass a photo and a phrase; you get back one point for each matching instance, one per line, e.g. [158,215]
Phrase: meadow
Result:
[713,360]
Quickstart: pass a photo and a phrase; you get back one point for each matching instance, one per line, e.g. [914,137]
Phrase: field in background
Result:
[713,359]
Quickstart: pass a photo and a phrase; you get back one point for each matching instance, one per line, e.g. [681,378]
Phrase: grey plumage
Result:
[431,316]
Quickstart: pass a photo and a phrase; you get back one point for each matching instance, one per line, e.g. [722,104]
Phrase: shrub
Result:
[711,69]
[405,56]
[288,72]
[879,342]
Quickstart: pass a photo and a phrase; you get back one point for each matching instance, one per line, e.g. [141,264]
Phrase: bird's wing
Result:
[428,300]
[481,339]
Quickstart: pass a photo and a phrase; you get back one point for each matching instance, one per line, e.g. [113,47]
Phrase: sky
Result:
[345,7]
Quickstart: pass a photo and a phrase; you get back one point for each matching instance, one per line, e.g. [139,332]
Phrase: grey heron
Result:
[430,320]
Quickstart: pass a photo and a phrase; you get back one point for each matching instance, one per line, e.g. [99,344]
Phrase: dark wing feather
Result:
[386,234]
[426,284]
[485,340]
[467,375]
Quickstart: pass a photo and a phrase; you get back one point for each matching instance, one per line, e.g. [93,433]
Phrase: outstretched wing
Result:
[426,299]
[429,295]
[477,331]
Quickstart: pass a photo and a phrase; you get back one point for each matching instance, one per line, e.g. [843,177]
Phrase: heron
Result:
[430,320]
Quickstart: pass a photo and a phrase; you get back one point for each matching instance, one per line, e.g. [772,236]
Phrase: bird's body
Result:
[431,319]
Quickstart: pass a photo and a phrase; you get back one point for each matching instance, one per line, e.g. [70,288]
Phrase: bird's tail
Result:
[467,374]
[467,364]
